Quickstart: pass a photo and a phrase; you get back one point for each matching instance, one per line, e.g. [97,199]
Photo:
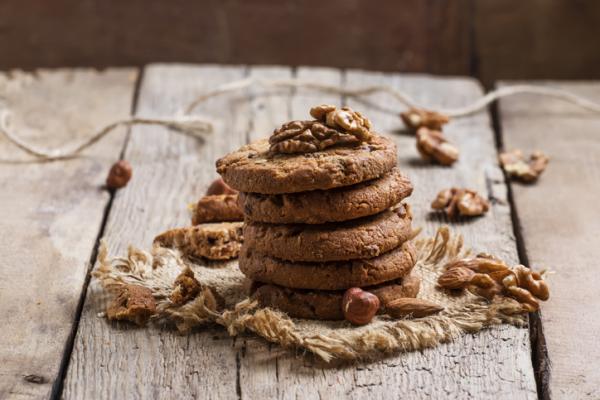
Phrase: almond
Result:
[411,307]
[456,278]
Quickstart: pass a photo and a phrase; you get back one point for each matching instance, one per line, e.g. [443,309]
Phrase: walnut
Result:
[331,127]
[489,277]
[416,118]
[515,164]
[133,303]
[433,146]
[464,202]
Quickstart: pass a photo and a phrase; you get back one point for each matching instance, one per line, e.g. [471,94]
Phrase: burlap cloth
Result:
[464,313]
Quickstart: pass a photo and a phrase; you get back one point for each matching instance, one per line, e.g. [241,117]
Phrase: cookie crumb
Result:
[134,303]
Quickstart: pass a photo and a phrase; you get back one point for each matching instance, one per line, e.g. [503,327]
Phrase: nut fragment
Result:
[515,164]
[332,127]
[416,308]
[186,287]
[119,175]
[359,307]
[218,186]
[457,201]
[433,146]
[416,118]
[133,303]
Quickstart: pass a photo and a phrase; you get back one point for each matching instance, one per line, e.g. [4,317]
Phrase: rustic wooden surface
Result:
[560,225]
[51,215]
[118,361]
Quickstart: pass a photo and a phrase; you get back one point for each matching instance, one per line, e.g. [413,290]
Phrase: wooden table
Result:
[54,215]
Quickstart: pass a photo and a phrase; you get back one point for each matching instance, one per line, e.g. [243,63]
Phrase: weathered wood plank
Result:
[115,360]
[51,215]
[493,364]
[560,224]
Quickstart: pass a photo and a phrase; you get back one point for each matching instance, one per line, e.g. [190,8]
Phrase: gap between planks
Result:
[57,387]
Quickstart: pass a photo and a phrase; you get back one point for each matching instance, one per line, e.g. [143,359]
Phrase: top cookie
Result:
[254,169]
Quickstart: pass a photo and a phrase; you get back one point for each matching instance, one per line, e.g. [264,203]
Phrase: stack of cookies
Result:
[322,201]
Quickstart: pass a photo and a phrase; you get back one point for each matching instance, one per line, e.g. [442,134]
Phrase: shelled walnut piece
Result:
[133,303]
[416,118]
[331,127]
[515,165]
[490,277]
[433,146]
[459,201]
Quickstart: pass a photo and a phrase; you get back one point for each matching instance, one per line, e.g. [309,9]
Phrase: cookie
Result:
[339,275]
[220,241]
[217,208]
[327,305]
[320,206]
[253,169]
[366,237]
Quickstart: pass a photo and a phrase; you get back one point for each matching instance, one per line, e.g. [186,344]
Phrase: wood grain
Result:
[51,214]
[170,170]
[116,361]
[560,225]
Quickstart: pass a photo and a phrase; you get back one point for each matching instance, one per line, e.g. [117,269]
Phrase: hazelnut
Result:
[219,187]
[119,175]
[359,307]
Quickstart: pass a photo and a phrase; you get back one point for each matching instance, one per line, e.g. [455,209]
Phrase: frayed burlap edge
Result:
[466,313]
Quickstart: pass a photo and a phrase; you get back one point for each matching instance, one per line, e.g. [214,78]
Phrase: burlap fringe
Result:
[326,339]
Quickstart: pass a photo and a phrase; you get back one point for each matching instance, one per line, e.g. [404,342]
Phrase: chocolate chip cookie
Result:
[254,169]
[326,305]
[336,275]
[366,237]
[320,206]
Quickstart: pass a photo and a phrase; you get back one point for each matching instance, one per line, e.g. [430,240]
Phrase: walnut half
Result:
[433,146]
[515,165]
[416,118]
[463,202]
[331,127]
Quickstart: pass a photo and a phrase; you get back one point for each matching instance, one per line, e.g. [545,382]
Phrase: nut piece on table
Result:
[433,146]
[332,127]
[133,303]
[359,307]
[217,208]
[416,118]
[416,308]
[119,175]
[218,186]
[515,164]
[463,202]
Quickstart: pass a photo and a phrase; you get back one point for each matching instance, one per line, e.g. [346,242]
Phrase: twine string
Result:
[198,127]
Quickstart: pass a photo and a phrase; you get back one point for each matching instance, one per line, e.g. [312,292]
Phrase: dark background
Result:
[488,39]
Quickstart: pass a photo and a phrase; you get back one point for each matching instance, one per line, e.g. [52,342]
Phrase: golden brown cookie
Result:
[366,237]
[326,305]
[320,206]
[253,169]
[336,275]
[217,208]
[220,241]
